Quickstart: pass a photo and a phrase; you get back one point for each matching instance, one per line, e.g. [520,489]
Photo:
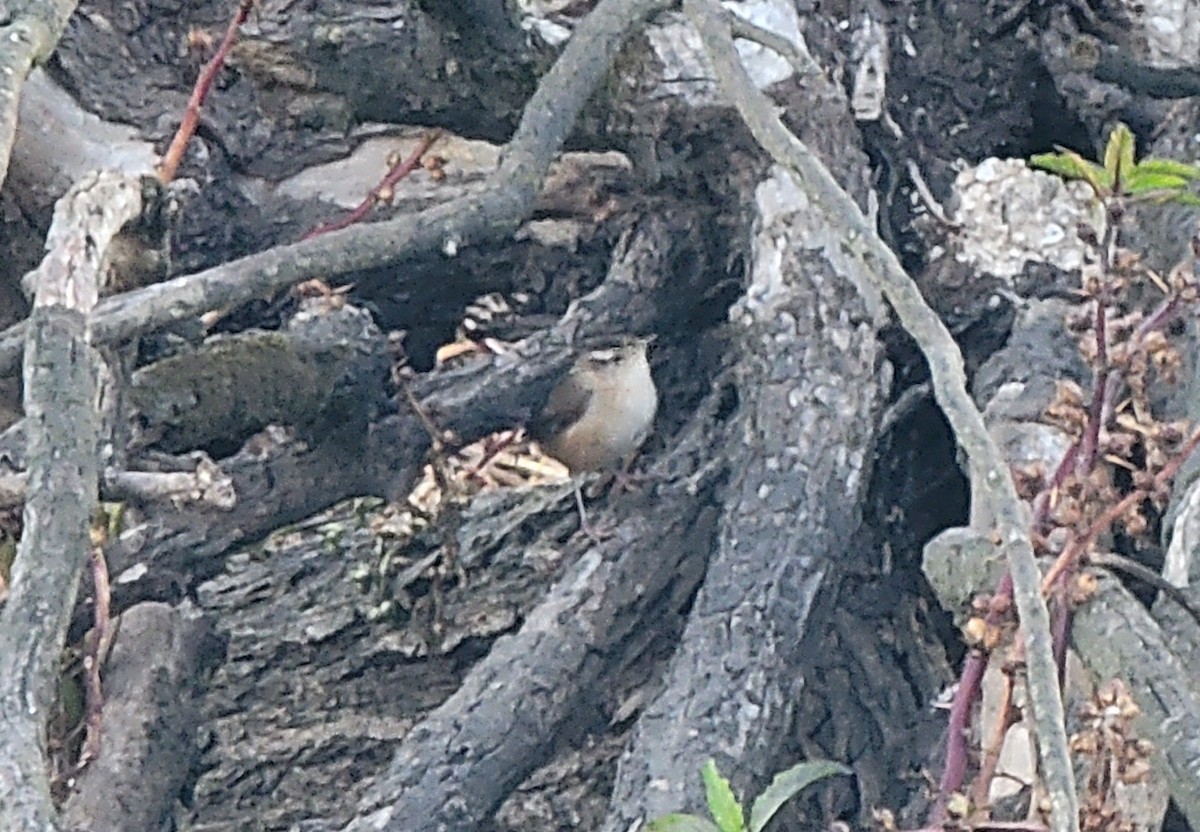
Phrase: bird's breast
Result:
[615,424]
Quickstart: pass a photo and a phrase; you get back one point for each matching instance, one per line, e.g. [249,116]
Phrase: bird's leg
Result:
[625,479]
[596,534]
[614,482]
[583,521]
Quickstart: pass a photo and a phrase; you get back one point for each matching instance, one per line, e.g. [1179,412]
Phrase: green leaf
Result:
[1070,165]
[1057,163]
[1140,181]
[681,823]
[786,785]
[1118,155]
[1169,166]
[1101,179]
[722,803]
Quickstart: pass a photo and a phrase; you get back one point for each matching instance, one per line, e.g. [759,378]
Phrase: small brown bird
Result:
[601,413]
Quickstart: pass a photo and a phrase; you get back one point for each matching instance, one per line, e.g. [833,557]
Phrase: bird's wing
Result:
[567,403]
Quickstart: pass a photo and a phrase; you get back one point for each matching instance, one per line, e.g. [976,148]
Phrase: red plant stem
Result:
[965,697]
[374,197]
[1158,319]
[95,652]
[1091,435]
[1079,458]
[1060,626]
[991,757]
[970,682]
[1166,312]
[169,166]
[1081,543]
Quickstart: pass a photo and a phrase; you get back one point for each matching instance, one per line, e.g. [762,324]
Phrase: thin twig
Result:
[504,201]
[377,194]
[1005,719]
[926,193]
[97,645]
[169,166]
[1104,379]
[1111,560]
[797,58]
[1080,544]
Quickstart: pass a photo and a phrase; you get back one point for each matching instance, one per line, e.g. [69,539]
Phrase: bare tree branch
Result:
[29,30]
[64,440]
[994,496]
[149,721]
[471,220]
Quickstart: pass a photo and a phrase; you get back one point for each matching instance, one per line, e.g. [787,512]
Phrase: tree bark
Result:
[489,667]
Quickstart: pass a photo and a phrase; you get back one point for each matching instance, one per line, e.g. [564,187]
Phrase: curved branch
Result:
[30,31]
[995,502]
[505,201]
[64,432]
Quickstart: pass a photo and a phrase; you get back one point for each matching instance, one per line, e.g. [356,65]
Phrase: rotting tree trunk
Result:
[550,672]
[809,386]
[766,471]
[642,586]
[62,402]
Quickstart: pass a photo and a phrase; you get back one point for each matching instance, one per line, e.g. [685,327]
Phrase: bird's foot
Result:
[597,532]
[628,481]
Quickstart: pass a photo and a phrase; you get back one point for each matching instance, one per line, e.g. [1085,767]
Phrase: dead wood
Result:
[495,643]
[187,546]
[1117,638]
[774,550]
[152,680]
[994,498]
[458,764]
[548,118]
[31,30]
[61,390]
[327,371]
